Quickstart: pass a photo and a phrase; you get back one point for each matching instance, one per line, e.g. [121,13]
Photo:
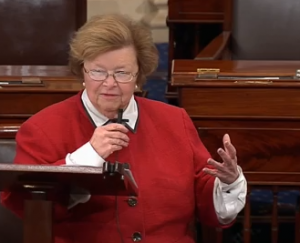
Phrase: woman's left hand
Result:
[227,171]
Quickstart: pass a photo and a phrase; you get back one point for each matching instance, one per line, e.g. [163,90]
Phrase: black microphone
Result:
[120,121]
[120,116]
[115,167]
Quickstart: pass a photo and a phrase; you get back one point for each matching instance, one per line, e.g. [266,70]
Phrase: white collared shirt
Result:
[130,113]
[229,200]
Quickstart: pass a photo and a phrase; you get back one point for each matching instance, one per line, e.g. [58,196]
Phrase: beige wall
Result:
[151,12]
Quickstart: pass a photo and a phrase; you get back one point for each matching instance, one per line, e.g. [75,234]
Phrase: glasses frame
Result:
[133,75]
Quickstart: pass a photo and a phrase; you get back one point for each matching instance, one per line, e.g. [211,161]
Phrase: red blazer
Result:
[166,157]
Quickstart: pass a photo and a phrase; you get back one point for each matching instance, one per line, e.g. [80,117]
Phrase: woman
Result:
[113,54]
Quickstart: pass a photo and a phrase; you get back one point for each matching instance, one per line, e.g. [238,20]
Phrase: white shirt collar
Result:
[130,113]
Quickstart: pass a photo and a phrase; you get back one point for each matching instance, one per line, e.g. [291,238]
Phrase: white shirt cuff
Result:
[85,156]
[229,200]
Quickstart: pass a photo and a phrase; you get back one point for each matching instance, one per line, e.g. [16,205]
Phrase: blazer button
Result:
[132,202]
[136,236]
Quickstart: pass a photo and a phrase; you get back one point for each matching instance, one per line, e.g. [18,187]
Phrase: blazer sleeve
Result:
[33,148]
[204,183]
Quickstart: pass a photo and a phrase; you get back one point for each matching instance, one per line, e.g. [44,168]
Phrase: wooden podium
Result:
[40,181]
[258,104]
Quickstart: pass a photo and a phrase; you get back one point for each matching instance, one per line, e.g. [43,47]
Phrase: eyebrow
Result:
[116,68]
[121,67]
[97,66]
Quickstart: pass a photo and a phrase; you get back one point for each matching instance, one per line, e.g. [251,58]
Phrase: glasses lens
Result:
[123,77]
[98,75]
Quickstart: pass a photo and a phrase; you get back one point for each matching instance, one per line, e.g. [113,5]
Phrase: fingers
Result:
[226,138]
[118,142]
[229,148]
[118,135]
[212,172]
[227,171]
[222,171]
[115,148]
[215,164]
[225,156]
[216,173]
[110,138]
[116,127]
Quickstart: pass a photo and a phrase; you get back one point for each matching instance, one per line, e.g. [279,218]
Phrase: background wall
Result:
[151,12]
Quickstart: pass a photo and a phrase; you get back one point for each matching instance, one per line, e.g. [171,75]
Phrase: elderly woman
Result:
[111,54]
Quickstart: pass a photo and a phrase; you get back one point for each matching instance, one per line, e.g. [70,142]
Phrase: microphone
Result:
[120,121]
[115,167]
[120,116]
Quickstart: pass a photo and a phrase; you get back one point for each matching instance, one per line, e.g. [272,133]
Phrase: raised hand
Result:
[110,138]
[227,171]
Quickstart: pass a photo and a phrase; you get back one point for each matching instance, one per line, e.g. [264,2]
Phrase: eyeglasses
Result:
[120,76]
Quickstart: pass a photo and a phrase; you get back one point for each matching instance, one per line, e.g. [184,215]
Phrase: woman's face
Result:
[105,92]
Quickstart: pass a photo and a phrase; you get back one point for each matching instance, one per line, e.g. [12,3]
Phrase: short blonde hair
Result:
[105,33]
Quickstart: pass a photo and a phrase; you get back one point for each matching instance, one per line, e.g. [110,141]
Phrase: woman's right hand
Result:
[109,138]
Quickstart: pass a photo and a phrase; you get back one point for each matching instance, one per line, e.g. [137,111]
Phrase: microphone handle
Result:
[119,120]
[120,116]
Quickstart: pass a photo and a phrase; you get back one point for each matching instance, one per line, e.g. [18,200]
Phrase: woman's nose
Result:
[110,81]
